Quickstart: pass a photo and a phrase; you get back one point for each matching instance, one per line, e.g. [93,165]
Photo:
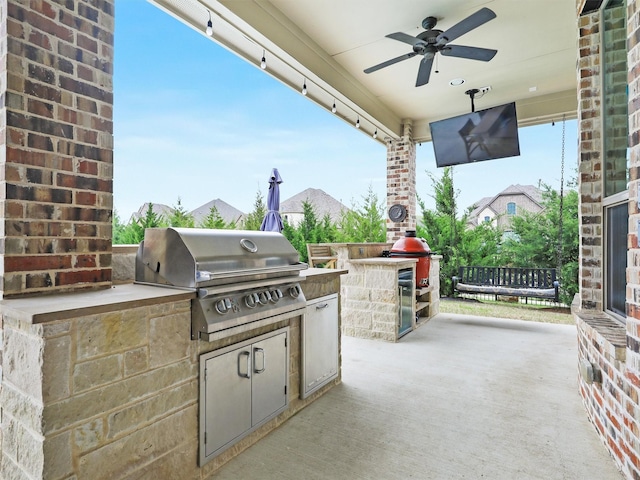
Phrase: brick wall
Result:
[401,181]
[610,347]
[611,402]
[59,148]
[633,256]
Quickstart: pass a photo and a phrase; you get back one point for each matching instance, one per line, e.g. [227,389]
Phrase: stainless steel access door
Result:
[228,398]
[320,344]
[269,372]
[242,386]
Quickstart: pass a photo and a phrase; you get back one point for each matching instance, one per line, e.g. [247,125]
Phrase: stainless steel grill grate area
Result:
[239,276]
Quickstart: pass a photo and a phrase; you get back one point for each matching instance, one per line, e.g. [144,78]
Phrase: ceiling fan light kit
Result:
[432,41]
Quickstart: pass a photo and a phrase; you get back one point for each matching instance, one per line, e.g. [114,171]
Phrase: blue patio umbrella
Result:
[272,222]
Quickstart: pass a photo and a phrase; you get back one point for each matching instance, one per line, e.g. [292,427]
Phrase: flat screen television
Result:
[477,136]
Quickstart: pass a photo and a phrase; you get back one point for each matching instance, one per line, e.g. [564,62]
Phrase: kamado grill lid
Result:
[410,246]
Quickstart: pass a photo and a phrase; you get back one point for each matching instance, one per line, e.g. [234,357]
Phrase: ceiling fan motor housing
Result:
[429,22]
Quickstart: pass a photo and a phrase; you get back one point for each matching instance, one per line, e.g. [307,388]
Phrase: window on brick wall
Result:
[615,155]
[616,227]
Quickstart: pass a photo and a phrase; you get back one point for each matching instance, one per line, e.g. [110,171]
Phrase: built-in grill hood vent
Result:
[194,257]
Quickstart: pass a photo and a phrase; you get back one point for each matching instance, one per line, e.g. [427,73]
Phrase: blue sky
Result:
[195,122]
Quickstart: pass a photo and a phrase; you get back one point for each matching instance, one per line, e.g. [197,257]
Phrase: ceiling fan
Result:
[432,41]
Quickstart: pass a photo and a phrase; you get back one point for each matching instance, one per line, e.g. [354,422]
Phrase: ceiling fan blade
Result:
[390,62]
[405,38]
[474,20]
[472,53]
[424,72]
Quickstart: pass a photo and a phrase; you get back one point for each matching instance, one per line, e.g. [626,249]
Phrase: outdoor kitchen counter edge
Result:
[314,272]
[48,308]
[388,261]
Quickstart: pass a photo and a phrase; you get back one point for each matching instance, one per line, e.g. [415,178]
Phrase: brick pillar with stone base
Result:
[56,171]
[401,182]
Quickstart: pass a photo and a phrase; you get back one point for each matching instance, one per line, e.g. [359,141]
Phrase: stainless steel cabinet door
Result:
[319,343]
[269,377]
[228,397]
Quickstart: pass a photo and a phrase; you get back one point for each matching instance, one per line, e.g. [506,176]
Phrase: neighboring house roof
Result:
[480,205]
[322,203]
[158,208]
[227,212]
[530,191]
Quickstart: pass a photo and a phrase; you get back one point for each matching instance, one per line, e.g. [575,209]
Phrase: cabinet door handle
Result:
[320,307]
[256,351]
[248,364]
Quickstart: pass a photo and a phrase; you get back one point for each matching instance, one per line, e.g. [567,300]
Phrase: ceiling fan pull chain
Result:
[436,70]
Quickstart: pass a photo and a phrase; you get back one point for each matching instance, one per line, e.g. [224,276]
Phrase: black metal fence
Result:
[513,277]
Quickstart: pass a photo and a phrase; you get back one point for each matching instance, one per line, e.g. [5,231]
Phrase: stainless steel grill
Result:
[239,276]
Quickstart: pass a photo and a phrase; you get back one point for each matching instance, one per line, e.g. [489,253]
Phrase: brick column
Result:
[401,181]
[590,163]
[633,255]
[57,170]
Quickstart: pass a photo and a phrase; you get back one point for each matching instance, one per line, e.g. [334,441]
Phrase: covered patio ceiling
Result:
[328,44]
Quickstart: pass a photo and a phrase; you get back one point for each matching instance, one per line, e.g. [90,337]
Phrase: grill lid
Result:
[198,257]
[410,246]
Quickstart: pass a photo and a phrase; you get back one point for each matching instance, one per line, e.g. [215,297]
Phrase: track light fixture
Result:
[304,87]
[358,122]
[375,134]
[209,26]
[334,109]
[263,62]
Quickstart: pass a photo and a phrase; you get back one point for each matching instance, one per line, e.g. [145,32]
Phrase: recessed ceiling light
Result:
[533,89]
[456,81]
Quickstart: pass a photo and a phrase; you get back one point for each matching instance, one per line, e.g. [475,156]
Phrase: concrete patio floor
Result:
[462,397]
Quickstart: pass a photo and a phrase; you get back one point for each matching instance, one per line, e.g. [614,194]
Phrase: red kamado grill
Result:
[412,247]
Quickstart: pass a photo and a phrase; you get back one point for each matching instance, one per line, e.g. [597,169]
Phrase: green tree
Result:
[253,221]
[310,230]
[180,217]
[118,229]
[535,242]
[133,232]
[442,230]
[307,231]
[215,221]
[364,223]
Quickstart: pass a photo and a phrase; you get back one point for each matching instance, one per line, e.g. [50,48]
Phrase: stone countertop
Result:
[47,308]
[386,261]
[315,272]
[360,244]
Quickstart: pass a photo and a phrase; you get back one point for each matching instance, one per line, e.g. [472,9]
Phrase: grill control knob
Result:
[294,291]
[223,306]
[250,300]
[263,298]
[276,295]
